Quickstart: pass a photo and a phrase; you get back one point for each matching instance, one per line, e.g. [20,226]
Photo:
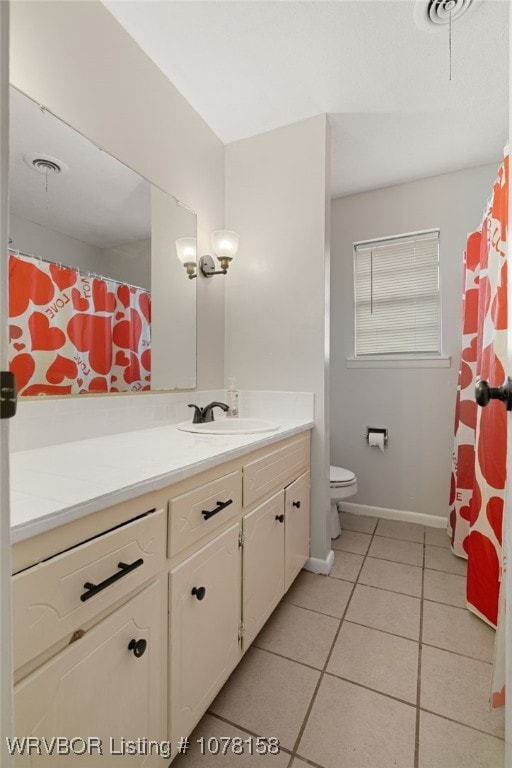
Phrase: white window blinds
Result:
[396,284]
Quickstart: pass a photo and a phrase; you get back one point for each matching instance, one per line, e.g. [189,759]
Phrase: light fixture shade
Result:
[224,243]
[186,250]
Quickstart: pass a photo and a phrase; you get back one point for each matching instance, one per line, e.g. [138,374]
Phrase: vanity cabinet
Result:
[130,631]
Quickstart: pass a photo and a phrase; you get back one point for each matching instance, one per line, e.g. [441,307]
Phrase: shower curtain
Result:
[477,493]
[70,332]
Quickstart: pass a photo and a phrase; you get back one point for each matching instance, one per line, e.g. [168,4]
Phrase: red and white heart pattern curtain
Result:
[71,333]
[477,495]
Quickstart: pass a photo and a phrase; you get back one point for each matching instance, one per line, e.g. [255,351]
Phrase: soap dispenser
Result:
[232,399]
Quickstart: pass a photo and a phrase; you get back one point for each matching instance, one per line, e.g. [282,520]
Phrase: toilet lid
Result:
[341,476]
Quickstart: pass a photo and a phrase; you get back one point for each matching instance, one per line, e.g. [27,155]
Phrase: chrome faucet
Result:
[203,415]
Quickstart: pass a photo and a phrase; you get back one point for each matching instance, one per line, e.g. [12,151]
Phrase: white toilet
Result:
[343,483]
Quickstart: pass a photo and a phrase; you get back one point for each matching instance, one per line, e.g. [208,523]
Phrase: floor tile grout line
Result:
[320,678]
[306,760]
[312,610]
[380,629]
[457,653]
[383,589]
[323,671]
[409,541]
[243,728]
[418,685]
[374,629]
[383,536]
[420,642]
[459,722]
[383,559]
[372,690]
[293,752]
[288,658]
[450,573]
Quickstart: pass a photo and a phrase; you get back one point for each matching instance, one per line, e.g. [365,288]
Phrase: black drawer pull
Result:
[296,504]
[138,647]
[207,513]
[199,592]
[93,589]
[280,518]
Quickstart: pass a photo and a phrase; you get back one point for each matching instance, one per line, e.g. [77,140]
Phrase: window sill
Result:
[399,361]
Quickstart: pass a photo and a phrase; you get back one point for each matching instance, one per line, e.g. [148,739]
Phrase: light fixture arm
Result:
[191,270]
[207,266]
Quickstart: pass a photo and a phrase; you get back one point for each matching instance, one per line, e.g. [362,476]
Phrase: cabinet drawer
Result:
[274,469]
[196,513]
[51,600]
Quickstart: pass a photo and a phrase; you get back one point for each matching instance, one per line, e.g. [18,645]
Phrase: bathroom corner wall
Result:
[77,60]
[416,404]
[277,198]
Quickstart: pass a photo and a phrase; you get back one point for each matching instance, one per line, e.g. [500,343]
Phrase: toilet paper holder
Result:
[378,430]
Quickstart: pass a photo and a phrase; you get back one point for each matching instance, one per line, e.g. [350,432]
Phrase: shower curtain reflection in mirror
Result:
[71,332]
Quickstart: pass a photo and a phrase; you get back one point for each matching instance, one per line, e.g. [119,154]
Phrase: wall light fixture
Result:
[224,246]
[186,250]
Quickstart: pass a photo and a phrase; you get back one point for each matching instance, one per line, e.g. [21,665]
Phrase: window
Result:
[396,285]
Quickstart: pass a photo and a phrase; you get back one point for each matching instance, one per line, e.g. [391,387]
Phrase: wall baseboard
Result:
[433,521]
[316,565]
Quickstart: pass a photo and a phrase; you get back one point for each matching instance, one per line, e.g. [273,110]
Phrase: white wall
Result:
[76,59]
[277,190]
[128,263]
[173,327]
[32,238]
[417,405]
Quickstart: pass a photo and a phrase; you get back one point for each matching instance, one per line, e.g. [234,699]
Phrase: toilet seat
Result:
[341,477]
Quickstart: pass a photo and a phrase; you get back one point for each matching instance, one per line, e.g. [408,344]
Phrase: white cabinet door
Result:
[296,527]
[205,607]
[98,687]
[263,564]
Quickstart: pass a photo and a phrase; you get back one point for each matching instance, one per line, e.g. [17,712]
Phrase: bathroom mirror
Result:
[98,301]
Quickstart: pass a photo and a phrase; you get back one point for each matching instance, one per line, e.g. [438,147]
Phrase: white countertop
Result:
[59,483]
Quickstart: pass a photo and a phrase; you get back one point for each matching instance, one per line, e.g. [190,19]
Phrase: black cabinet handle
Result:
[199,592]
[207,513]
[93,589]
[138,647]
[280,518]
[296,504]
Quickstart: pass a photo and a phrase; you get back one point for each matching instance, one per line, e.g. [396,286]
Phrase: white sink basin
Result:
[230,427]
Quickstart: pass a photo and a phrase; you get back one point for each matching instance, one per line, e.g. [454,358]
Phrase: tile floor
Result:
[378,665]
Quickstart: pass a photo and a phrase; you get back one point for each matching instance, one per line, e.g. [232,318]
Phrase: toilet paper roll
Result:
[376,440]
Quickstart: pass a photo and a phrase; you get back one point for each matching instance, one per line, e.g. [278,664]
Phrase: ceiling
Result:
[376,67]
